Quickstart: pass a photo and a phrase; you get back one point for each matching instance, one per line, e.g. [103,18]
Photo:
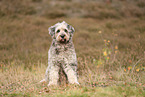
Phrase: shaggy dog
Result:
[61,55]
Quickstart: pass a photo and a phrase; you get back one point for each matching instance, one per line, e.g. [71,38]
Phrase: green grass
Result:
[109,42]
[84,92]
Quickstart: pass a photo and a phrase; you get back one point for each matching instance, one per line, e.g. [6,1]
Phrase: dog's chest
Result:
[63,50]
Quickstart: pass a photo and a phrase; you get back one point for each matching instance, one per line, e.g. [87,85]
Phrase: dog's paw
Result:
[77,83]
[51,84]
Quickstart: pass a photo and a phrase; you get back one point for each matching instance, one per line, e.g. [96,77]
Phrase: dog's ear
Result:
[70,28]
[51,30]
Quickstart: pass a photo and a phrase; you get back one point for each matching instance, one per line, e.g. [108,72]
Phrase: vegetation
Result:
[109,42]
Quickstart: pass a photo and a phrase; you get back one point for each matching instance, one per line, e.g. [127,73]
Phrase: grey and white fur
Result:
[61,54]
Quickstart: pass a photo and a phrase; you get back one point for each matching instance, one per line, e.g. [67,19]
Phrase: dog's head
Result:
[62,32]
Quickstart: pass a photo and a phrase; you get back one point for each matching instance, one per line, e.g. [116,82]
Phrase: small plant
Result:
[108,52]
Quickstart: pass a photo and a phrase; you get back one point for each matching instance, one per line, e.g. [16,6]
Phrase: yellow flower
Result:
[98,66]
[100,32]
[108,58]
[116,47]
[116,52]
[137,70]
[90,75]
[129,68]
[105,53]
[124,69]
[108,41]
[104,40]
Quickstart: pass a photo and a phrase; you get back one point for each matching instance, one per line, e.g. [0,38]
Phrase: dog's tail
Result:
[43,81]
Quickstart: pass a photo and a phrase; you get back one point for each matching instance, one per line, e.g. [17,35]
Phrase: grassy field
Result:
[109,42]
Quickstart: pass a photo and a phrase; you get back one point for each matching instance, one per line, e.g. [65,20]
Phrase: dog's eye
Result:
[58,31]
[65,30]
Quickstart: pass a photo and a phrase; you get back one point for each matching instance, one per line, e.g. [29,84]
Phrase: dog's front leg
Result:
[71,74]
[53,75]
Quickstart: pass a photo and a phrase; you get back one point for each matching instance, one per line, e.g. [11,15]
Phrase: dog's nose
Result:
[62,35]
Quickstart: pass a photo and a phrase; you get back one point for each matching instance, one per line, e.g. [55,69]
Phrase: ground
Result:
[109,42]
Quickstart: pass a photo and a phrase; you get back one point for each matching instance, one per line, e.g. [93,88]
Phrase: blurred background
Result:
[109,38]
[24,26]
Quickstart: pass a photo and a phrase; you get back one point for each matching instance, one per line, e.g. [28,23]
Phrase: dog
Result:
[61,55]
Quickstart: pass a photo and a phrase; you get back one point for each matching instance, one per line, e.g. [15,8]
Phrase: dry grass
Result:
[109,42]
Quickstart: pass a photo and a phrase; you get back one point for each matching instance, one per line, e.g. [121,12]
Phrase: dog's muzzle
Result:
[63,38]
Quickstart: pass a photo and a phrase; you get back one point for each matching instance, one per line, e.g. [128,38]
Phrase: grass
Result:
[109,42]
